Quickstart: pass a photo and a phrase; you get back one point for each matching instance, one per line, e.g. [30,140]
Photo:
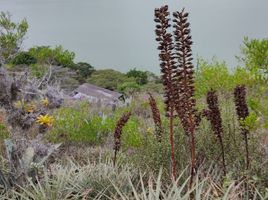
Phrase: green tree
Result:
[213,75]
[23,58]
[109,79]
[53,56]
[255,56]
[129,88]
[140,76]
[11,36]
[84,70]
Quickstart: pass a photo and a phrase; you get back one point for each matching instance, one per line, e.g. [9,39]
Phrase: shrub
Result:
[109,79]
[141,77]
[74,125]
[23,58]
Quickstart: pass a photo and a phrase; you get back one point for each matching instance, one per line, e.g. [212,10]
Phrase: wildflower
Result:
[150,130]
[45,102]
[30,108]
[18,104]
[45,120]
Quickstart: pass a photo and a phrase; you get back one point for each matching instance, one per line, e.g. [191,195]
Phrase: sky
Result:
[119,34]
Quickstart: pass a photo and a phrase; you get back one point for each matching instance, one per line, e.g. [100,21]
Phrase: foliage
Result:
[84,70]
[140,76]
[129,88]
[100,180]
[53,56]
[4,133]
[255,56]
[109,79]
[74,125]
[217,76]
[11,36]
[23,58]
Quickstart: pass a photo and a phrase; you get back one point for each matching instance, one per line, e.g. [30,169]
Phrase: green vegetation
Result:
[255,56]
[141,77]
[11,36]
[52,56]
[82,150]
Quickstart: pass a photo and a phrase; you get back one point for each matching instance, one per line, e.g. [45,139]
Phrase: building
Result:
[97,94]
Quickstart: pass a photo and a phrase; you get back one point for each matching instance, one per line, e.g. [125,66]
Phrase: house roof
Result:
[98,92]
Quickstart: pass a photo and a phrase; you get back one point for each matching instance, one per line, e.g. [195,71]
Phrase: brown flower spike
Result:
[118,132]
[167,70]
[214,116]
[156,117]
[242,113]
[184,81]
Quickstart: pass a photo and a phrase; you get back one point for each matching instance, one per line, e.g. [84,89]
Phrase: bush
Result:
[75,125]
[140,76]
[217,76]
[78,124]
[109,79]
[23,58]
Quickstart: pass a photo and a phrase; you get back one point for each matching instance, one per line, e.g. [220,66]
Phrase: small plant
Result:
[30,108]
[118,133]
[242,113]
[45,120]
[45,102]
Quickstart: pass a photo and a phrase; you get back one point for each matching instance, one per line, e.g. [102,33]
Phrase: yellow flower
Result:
[45,120]
[30,108]
[150,130]
[45,102]
[18,104]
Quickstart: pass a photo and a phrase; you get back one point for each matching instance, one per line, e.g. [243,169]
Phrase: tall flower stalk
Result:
[164,38]
[156,118]
[118,133]
[184,81]
[214,116]
[242,113]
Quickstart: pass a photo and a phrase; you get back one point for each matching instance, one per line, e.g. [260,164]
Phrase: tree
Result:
[109,79]
[140,76]
[129,88]
[84,70]
[23,58]
[255,56]
[53,56]
[11,36]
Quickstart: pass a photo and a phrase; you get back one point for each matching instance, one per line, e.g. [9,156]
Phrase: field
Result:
[194,132]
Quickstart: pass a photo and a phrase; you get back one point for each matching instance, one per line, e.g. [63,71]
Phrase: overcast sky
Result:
[119,34]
